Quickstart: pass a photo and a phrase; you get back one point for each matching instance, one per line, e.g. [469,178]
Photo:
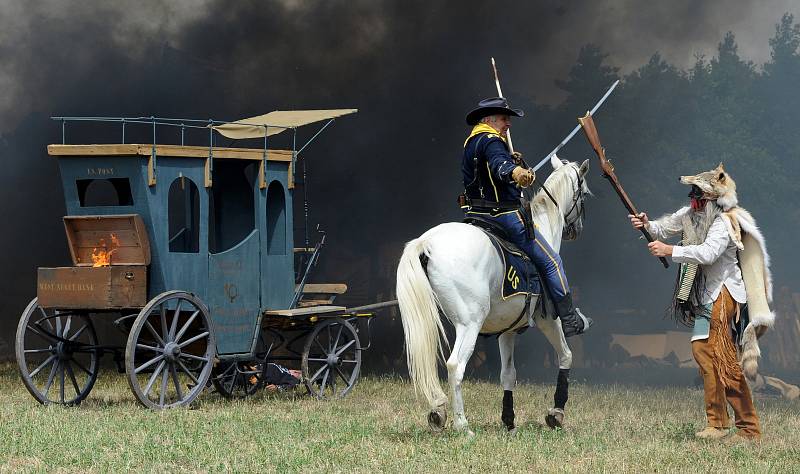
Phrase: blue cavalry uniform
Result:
[492,194]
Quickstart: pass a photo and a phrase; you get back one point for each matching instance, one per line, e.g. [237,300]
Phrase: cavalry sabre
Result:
[590,131]
[574,130]
[500,94]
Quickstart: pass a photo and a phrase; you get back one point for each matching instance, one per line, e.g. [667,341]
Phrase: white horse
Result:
[464,277]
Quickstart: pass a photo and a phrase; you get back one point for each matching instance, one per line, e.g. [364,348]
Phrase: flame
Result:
[101,257]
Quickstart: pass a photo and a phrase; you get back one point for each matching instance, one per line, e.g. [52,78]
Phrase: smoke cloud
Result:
[412,68]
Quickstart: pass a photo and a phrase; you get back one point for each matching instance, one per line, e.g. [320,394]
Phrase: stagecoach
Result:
[189,250]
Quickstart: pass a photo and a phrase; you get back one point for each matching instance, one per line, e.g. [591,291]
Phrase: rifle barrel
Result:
[593,136]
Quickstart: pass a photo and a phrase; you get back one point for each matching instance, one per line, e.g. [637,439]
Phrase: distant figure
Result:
[493,178]
[724,264]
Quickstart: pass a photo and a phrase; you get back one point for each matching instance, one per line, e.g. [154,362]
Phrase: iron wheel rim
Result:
[331,359]
[56,349]
[172,340]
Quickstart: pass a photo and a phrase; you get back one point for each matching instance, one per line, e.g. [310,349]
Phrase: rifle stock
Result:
[589,129]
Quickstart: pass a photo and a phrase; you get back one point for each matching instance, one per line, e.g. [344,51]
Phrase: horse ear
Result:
[584,167]
[555,161]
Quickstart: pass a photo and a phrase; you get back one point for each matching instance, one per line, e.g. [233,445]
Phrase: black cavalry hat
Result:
[492,106]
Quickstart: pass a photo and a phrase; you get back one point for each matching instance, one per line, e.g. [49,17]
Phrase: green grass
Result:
[381,427]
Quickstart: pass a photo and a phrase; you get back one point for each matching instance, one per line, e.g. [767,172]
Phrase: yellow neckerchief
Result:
[483,128]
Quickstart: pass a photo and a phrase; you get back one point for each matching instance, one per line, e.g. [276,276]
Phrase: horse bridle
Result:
[577,208]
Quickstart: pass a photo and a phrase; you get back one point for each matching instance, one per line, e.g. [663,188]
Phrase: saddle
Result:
[520,274]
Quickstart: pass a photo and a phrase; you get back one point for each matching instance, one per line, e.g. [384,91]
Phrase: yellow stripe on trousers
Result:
[555,263]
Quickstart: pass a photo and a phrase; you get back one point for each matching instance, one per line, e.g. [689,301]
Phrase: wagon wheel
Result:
[57,354]
[238,379]
[331,359]
[171,340]
[241,379]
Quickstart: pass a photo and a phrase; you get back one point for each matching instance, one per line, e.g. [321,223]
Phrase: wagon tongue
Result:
[101,256]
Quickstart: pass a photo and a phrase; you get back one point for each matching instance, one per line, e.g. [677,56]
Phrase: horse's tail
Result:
[422,325]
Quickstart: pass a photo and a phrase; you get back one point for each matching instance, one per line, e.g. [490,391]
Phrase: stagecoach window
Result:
[276,220]
[184,216]
[231,204]
[104,192]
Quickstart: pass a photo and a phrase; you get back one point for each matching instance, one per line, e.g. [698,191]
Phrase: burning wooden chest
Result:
[110,254]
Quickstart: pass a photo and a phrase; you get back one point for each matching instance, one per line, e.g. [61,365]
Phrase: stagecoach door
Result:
[233,261]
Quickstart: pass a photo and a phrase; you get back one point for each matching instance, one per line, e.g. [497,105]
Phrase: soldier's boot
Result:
[573,321]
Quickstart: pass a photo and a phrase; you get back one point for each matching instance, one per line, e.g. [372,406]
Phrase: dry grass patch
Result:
[381,427]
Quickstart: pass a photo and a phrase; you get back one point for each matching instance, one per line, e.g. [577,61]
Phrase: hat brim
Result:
[476,115]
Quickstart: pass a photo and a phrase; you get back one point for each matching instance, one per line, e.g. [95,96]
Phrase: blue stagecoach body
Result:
[195,253]
[219,220]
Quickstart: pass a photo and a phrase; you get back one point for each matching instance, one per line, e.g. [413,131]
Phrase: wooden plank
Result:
[318,302]
[329,288]
[121,256]
[93,150]
[207,181]
[84,234]
[151,169]
[92,287]
[303,249]
[305,311]
[180,151]
[262,179]
[144,238]
[128,286]
[290,176]
[85,238]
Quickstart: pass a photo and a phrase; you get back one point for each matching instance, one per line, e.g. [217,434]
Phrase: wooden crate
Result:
[86,233]
[111,287]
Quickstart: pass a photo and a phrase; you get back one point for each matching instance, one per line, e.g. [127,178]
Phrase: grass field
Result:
[381,427]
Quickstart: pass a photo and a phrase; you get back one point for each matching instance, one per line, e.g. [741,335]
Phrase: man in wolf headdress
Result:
[731,268]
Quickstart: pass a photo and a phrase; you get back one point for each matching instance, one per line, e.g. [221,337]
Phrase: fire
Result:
[101,257]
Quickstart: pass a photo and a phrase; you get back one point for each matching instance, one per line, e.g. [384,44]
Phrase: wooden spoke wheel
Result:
[331,359]
[170,351]
[57,354]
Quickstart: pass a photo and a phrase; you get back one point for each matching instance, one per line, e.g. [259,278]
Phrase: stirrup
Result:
[570,330]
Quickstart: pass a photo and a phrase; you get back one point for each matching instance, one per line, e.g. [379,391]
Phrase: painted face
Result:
[501,123]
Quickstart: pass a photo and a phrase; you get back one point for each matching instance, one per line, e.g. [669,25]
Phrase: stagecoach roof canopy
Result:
[277,121]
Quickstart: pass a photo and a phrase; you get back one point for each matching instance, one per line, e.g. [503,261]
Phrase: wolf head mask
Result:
[716,185]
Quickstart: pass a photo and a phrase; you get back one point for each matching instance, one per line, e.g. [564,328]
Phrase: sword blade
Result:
[578,127]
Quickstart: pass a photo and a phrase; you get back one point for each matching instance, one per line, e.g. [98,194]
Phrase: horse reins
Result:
[577,198]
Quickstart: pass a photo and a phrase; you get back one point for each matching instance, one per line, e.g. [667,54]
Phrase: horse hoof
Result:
[555,418]
[436,419]
[512,431]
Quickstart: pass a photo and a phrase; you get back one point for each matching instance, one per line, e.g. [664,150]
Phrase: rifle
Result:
[608,172]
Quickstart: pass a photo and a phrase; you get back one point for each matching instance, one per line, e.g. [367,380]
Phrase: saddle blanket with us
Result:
[520,276]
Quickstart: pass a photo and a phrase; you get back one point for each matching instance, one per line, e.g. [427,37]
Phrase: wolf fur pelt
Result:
[753,260]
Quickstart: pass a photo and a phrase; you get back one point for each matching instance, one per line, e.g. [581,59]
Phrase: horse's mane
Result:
[559,183]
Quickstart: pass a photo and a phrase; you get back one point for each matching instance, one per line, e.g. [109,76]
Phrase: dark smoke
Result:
[379,178]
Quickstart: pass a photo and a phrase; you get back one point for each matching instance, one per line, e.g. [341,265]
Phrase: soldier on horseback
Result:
[493,178]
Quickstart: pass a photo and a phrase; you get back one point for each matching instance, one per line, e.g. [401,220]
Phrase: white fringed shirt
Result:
[716,256]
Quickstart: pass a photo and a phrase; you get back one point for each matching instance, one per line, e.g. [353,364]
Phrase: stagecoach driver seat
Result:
[493,179]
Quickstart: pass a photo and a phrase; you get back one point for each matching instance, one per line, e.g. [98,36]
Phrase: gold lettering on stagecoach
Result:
[99,171]
[66,286]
